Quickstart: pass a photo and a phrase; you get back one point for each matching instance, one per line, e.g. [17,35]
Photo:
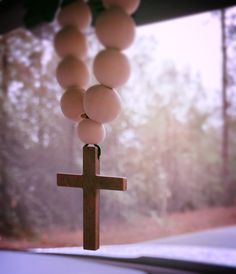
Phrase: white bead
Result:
[72,103]
[91,132]
[102,104]
[70,41]
[72,72]
[130,6]
[115,29]
[76,14]
[111,68]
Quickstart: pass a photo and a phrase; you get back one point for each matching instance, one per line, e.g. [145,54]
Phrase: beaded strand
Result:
[101,103]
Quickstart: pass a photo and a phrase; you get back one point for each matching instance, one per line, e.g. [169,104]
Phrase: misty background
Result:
[174,141]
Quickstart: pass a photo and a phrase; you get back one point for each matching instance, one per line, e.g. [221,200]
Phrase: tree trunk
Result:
[12,216]
[5,223]
[225,128]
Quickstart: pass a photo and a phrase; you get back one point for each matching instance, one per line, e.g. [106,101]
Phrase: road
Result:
[216,246]
[219,237]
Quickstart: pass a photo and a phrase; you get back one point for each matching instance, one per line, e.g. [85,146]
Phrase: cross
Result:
[91,183]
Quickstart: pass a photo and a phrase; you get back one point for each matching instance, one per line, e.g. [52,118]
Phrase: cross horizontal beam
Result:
[111,183]
[69,180]
[102,182]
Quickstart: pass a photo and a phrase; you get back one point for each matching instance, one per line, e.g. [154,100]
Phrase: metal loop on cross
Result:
[99,149]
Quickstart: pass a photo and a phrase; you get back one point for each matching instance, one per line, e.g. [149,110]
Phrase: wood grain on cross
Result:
[91,182]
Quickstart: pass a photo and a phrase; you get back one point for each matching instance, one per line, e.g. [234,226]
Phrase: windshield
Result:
[174,141]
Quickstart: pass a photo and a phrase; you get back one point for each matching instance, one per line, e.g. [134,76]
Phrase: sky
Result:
[193,41]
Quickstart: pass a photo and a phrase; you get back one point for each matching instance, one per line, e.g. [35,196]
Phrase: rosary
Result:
[91,108]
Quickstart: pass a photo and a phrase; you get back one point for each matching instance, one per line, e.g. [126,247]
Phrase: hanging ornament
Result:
[101,103]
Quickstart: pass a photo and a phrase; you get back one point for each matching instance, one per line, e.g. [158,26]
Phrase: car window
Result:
[174,141]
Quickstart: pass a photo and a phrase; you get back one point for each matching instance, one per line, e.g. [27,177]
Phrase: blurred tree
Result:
[11,214]
[165,140]
[225,104]
[35,139]
[228,31]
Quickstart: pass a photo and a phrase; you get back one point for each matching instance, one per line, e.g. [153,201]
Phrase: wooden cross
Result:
[91,182]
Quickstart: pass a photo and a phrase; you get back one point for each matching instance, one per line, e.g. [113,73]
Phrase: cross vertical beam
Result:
[91,199]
